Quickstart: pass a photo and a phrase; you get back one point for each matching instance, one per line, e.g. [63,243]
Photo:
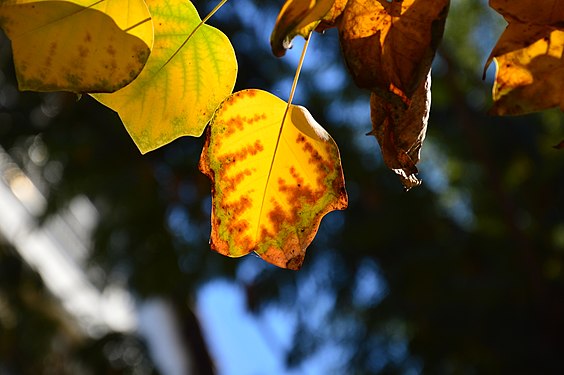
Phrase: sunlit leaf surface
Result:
[529,57]
[297,17]
[271,187]
[389,46]
[332,16]
[182,84]
[79,46]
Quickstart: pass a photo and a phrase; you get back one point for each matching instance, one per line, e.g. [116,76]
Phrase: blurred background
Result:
[105,266]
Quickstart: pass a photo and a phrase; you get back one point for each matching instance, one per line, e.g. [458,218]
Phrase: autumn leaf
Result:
[297,17]
[332,16]
[400,131]
[79,46]
[389,46]
[191,70]
[528,57]
[547,12]
[271,183]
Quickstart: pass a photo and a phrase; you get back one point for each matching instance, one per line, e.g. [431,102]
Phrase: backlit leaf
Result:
[270,187]
[297,17]
[182,84]
[79,46]
[400,131]
[332,16]
[546,12]
[389,46]
[529,57]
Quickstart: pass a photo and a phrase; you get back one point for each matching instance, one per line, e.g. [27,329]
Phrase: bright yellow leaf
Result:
[190,72]
[271,184]
[79,46]
[297,17]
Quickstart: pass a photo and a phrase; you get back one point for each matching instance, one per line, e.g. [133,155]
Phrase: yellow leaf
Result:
[297,17]
[80,46]
[529,57]
[271,184]
[191,70]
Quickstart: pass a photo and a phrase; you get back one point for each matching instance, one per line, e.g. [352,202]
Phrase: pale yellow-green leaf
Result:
[297,17]
[271,184]
[182,83]
[79,46]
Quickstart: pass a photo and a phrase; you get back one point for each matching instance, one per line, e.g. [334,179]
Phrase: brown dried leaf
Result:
[389,46]
[546,12]
[528,56]
[333,16]
[530,79]
[400,131]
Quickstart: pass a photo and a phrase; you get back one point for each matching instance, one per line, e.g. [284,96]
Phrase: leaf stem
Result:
[297,75]
[290,98]
[203,21]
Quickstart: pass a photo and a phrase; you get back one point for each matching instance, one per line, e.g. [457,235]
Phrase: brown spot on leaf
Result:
[52,48]
[278,218]
[249,93]
[231,183]
[83,51]
[295,263]
[238,123]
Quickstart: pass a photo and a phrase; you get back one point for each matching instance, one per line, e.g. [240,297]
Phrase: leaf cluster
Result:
[275,171]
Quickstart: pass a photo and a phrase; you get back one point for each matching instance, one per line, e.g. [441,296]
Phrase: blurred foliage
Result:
[462,275]
[37,336]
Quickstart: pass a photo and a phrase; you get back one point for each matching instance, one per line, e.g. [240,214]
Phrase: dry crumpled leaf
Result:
[528,57]
[389,46]
[297,17]
[400,131]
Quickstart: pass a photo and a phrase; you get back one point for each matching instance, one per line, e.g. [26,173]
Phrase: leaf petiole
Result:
[297,75]
[290,98]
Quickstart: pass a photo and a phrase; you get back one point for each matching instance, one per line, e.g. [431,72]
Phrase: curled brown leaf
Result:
[528,56]
[389,46]
[400,131]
